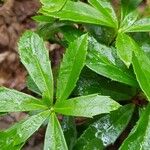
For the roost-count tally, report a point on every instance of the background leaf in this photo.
(34, 56)
(87, 106)
(103, 60)
(69, 131)
(90, 83)
(53, 5)
(105, 130)
(71, 66)
(79, 12)
(124, 50)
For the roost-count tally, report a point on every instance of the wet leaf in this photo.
(140, 134)
(79, 12)
(141, 63)
(54, 138)
(128, 21)
(90, 83)
(106, 130)
(87, 106)
(125, 50)
(102, 60)
(34, 56)
(20, 132)
(105, 7)
(53, 5)
(71, 66)
(14, 101)
(69, 131)
(142, 25)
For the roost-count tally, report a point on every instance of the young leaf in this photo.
(124, 48)
(87, 106)
(35, 58)
(53, 5)
(102, 60)
(54, 138)
(14, 101)
(79, 12)
(142, 25)
(71, 66)
(106, 130)
(140, 135)
(141, 65)
(104, 7)
(20, 132)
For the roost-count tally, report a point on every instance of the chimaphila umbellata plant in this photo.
(35, 58)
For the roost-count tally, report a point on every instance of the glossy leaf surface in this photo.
(35, 58)
(103, 61)
(140, 134)
(54, 138)
(125, 50)
(69, 129)
(141, 63)
(90, 83)
(14, 101)
(106, 130)
(105, 8)
(53, 5)
(142, 25)
(20, 132)
(87, 106)
(79, 12)
(71, 66)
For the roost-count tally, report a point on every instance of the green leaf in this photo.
(104, 7)
(125, 50)
(54, 138)
(106, 130)
(20, 132)
(90, 83)
(87, 106)
(53, 5)
(103, 60)
(142, 25)
(141, 63)
(128, 21)
(32, 86)
(140, 135)
(14, 101)
(69, 131)
(35, 58)
(128, 6)
(71, 66)
(79, 12)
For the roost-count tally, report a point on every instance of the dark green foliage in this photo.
(107, 56)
